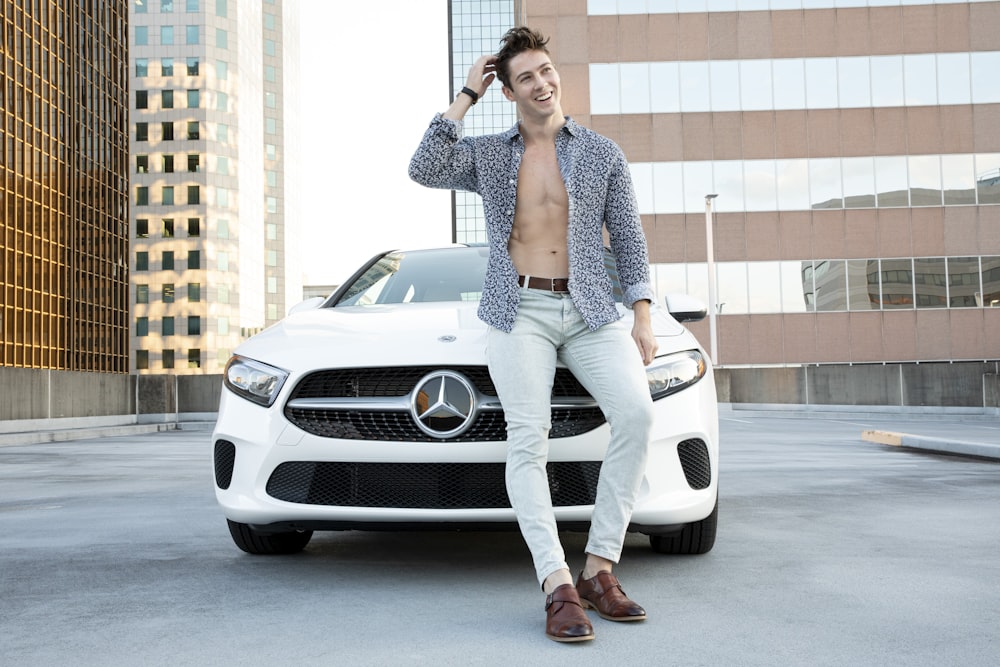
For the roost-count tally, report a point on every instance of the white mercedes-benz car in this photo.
(373, 409)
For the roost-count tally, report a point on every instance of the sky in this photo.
(373, 75)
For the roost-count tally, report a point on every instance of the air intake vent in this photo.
(225, 459)
(695, 462)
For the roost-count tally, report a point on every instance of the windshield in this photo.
(450, 274)
(420, 276)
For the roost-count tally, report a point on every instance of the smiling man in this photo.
(550, 190)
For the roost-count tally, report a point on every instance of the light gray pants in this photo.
(607, 362)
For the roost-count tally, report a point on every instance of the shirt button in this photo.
(511, 181)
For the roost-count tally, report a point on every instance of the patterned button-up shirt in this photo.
(599, 186)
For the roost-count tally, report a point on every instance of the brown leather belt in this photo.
(550, 284)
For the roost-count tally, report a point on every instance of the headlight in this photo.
(674, 372)
(253, 380)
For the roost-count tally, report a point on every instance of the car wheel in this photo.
(268, 544)
(693, 538)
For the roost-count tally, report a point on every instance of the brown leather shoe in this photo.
(605, 594)
(565, 620)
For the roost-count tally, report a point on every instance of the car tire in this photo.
(268, 544)
(693, 538)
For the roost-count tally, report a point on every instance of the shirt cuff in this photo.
(454, 128)
(638, 292)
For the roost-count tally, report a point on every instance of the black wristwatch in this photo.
(471, 93)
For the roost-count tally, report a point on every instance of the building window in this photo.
(167, 67)
(167, 326)
(221, 101)
(168, 228)
(191, 6)
(221, 38)
(220, 8)
(222, 294)
(222, 261)
(142, 196)
(168, 164)
(222, 229)
(269, 21)
(142, 67)
(272, 204)
(272, 311)
(191, 34)
(142, 293)
(194, 292)
(142, 326)
(168, 292)
(142, 99)
(222, 133)
(193, 132)
(221, 70)
(271, 231)
(194, 194)
(168, 195)
(271, 151)
(222, 197)
(194, 226)
(270, 125)
(167, 99)
(194, 260)
(192, 66)
(142, 261)
(168, 261)
(142, 359)
(168, 131)
(142, 131)
(140, 6)
(142, 228)
(168, 359)
(221, 164)
(223, 326)
(194, 99)
(141, 35)
(272, 285)
(194, 325)
(194, 358)
(194, 162)
(271, 257)
(269, 47)
(272, 178)
(142, 164)
(271, 100)
(166, 6)
(167, 35)
(270, 73)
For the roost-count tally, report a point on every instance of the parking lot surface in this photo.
(831, 550)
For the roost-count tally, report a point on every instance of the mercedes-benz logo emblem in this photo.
(443, 404)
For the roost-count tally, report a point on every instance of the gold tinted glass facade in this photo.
(63, 185)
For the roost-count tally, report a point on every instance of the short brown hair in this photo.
(515, 42)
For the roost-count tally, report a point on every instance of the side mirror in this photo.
(308, 304)
(686, 308)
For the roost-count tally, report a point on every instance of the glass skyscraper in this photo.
(64, 186)
(476, 27)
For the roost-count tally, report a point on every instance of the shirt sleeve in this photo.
(628, 242)
(444, 159)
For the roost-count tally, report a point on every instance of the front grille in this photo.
(422, 485)
(696, 463)
(225, 459)
(395, 424)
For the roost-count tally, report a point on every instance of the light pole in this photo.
(713, 333)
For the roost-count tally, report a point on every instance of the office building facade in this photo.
(64, 186)
(212, 164)
(854, 148)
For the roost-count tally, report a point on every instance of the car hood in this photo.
(398, 334)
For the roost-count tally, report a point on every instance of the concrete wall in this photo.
(943, 385)
(33, 399)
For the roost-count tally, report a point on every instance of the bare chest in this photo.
(539, 182)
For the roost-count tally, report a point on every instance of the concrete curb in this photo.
(939, 445)
(88, 433)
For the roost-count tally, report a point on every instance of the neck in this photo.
(542, 129)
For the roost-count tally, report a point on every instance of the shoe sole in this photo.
(566, 640)
(587, 604)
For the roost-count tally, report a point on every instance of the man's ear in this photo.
(506, 93)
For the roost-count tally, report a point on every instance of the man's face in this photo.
(534, 84)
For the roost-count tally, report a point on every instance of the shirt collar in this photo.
(513, 133)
